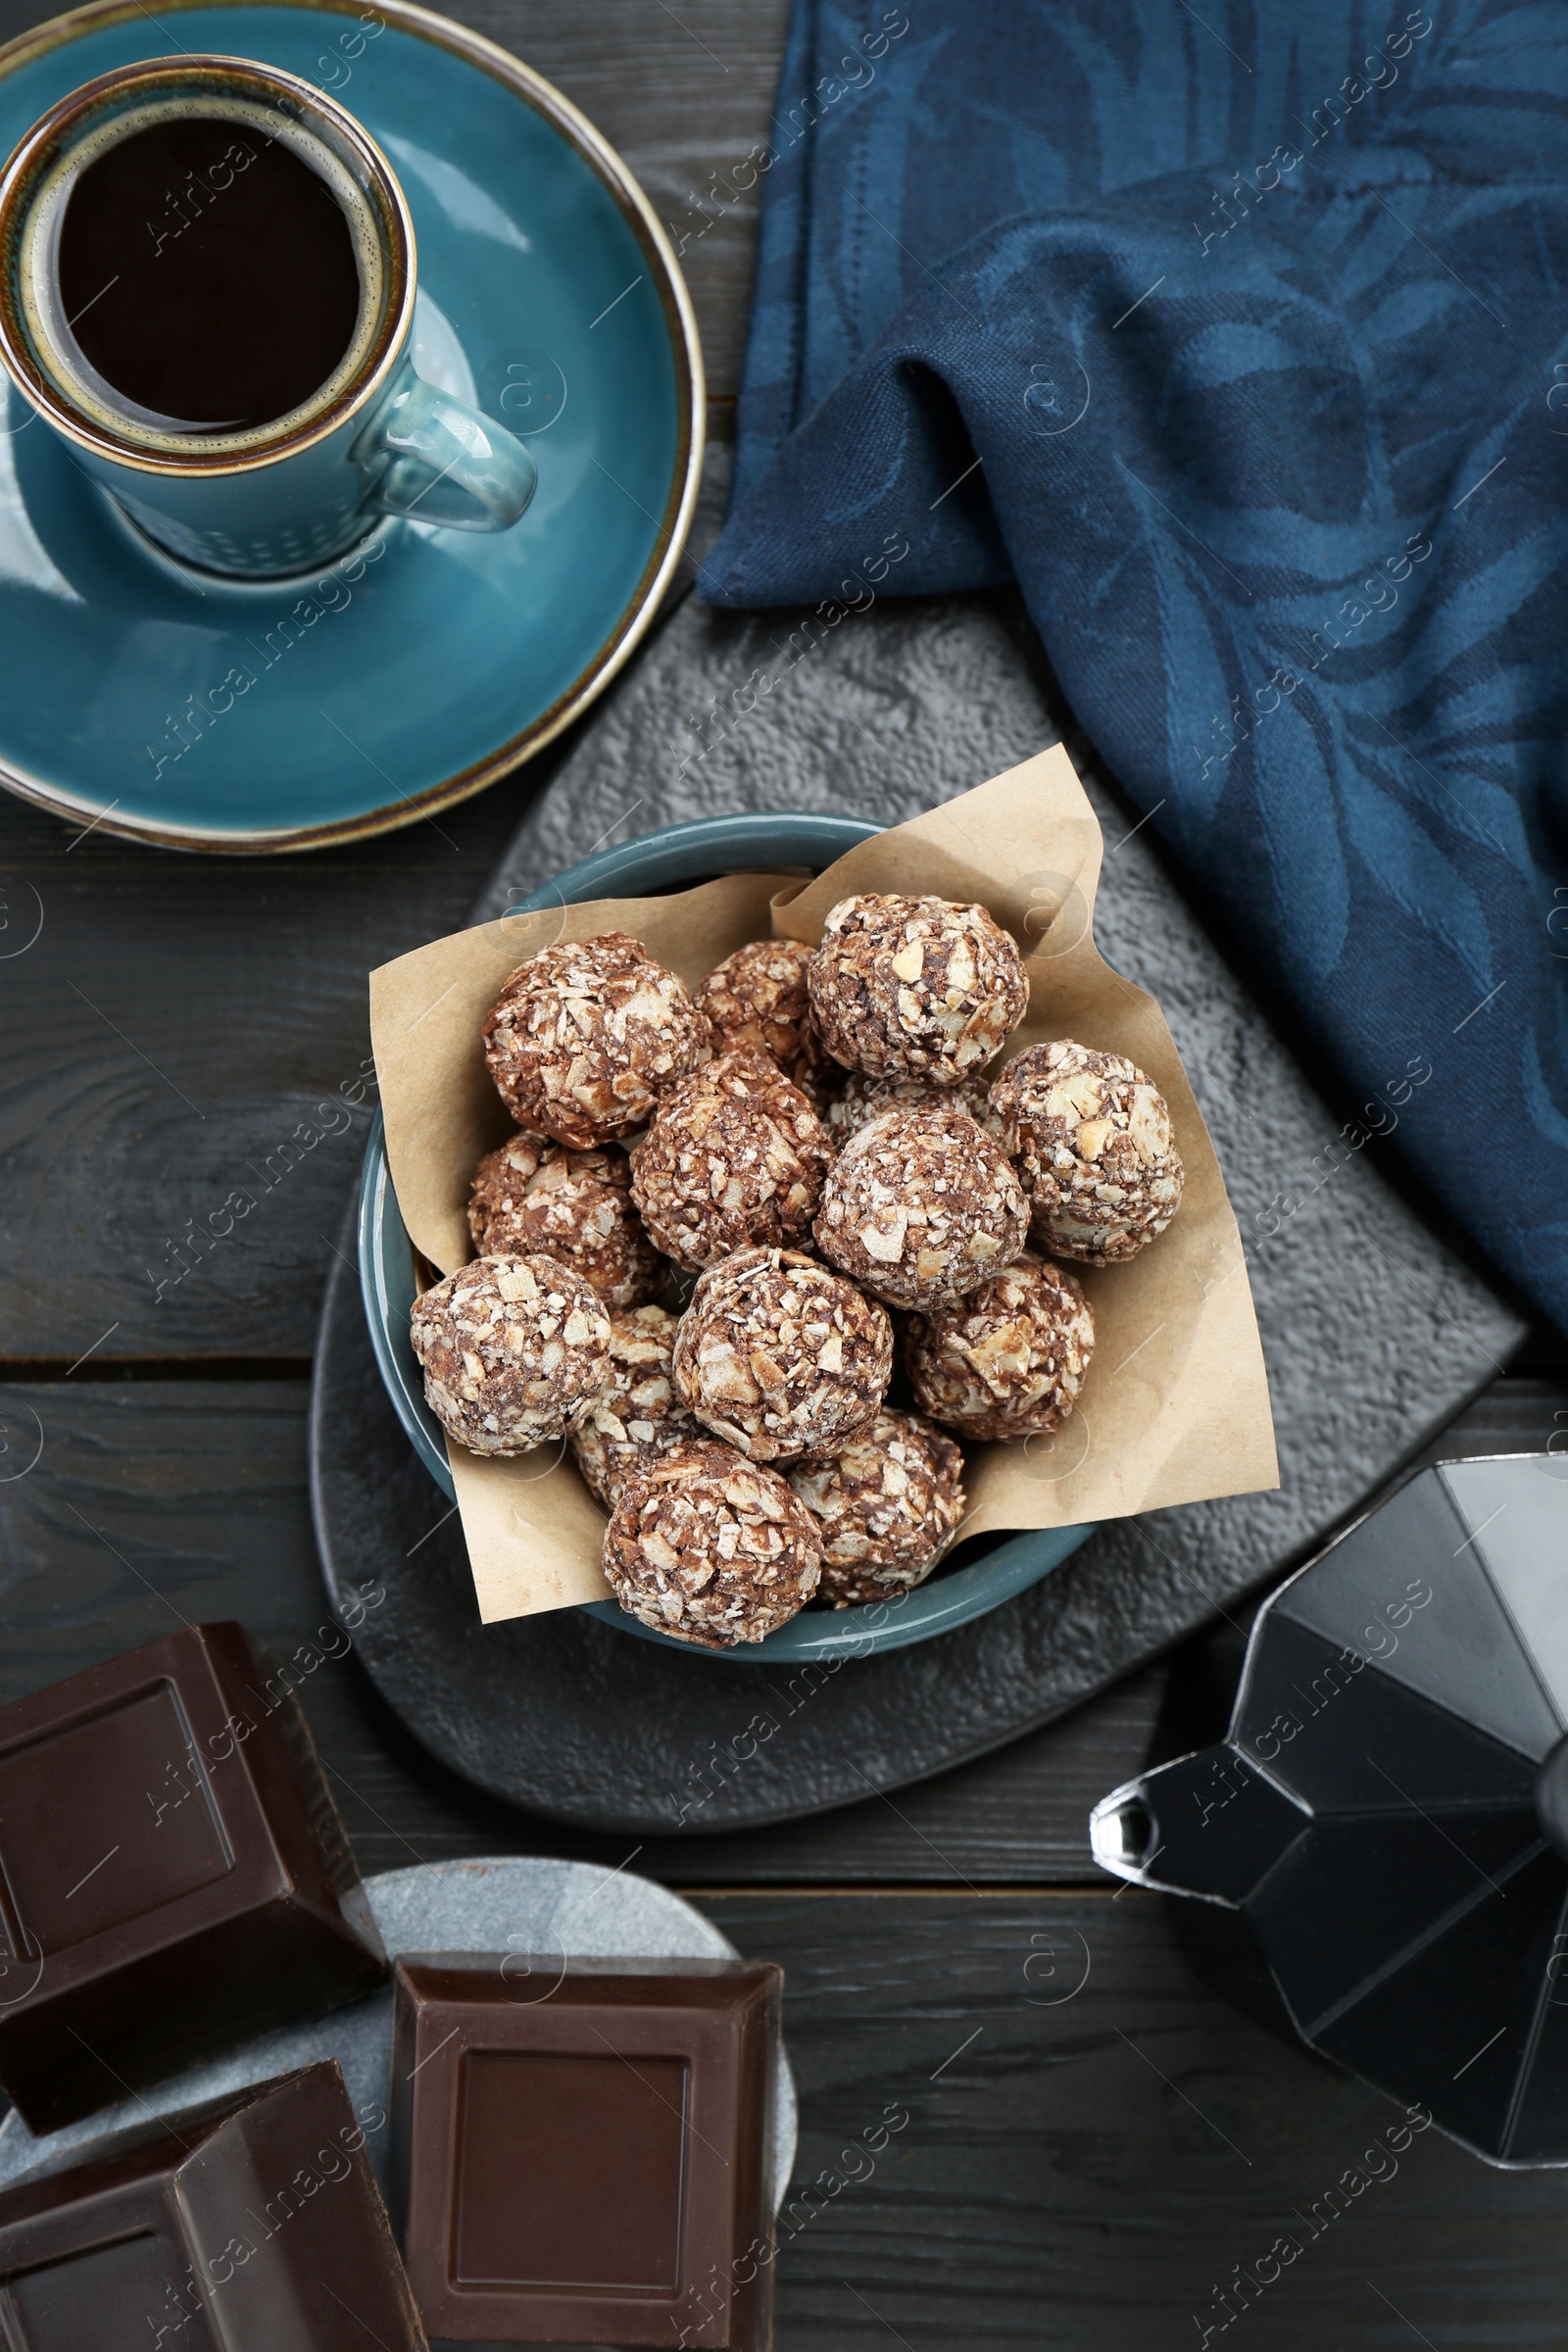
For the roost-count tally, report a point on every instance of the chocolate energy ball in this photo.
(586, 1036)
(920, 1205)
(915, 988)
(1007, 1363)
(780, 1357)
(865, 1099)
(735, 1154)
(639, 1418)
(758, 998)
(711, 1548)
(515, 1351)
(886, 1510)
(533, 1195)
(1095, 1146)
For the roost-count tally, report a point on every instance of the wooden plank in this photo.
(685, 96)
(1017, 1817)
(157, 1500)
(1096, 2137)
(168, 1041)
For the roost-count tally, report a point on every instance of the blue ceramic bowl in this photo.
(981, 1576)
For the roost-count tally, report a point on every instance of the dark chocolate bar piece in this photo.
(581, 2151)
(252, 2224)
(174, 1876)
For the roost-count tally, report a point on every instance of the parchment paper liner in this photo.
(1176, 1405)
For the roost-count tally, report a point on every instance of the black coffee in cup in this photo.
(207, 272)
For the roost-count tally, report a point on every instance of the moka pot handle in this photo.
(1210, 1825)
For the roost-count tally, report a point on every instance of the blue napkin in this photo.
(1239, 338)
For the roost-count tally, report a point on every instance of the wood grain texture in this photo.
(157, 1500)
(1084, 2168)
(166, 1041)
(684, 95)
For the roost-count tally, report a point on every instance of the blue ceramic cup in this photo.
(292, 492)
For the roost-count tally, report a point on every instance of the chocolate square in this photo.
(610, 2140)
(92, 2300)
(249, 2225)
(174, 1876)
(86, 1861)
(587, 2163)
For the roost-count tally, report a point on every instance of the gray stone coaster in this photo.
(546, 1909)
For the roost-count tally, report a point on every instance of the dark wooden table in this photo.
(1103, 2117)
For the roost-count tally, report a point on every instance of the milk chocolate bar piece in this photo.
(249, 2225)
(174, 1876)
(581, 2151)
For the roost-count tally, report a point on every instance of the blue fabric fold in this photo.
(1240, 342)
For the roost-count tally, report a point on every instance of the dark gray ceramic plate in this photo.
(1374, 1332)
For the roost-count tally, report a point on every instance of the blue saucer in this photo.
(419, 670)
(675, 857)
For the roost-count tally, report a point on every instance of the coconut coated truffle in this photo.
(735, 1155)
(758, 998)
(886, 1509)
(1008, 1361)
(915, 988)
(711, 1548)
(1094, 1144)
(638, 1418)
(920, 1205)
(532, 1196)
(515, 1351)
(586, 1036)
(780, 1357)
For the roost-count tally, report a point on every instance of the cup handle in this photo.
(441, 462)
